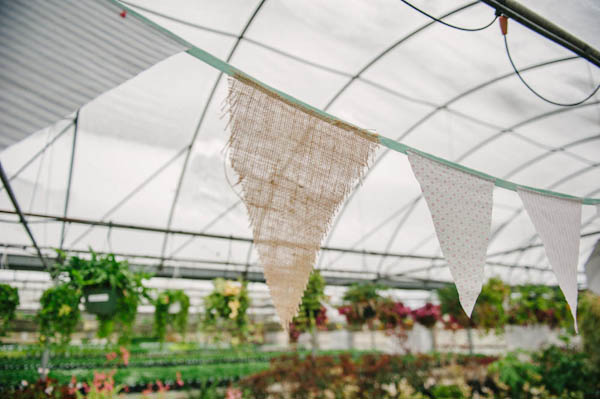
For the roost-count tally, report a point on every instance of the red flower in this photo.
(427, 315)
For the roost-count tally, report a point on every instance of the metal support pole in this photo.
(13, 199)
(69, 181)
(549, 30)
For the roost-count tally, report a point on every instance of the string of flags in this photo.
(295, 176)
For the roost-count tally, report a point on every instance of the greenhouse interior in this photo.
(299, 199)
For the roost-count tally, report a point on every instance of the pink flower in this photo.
(233, 393)
(162, 387)
(178, 380)
(98, 379)
(111, 356)
(124, 355)
(148, 389)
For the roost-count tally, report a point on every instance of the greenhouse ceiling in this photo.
(113, 137)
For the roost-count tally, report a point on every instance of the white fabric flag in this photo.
(592, 270)
(558, 223)
(461, 209)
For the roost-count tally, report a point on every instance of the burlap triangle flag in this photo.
(461, 209)
(558, 223)
(295, 167)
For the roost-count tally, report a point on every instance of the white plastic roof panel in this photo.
(378, 64)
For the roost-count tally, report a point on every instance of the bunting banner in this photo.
(461, 209)
(294, 176)
(558, 223)
(592, 270)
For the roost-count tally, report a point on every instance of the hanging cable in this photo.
(538, 94)
(447, 24)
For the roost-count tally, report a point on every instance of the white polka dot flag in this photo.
(558, 223)
(461, 209)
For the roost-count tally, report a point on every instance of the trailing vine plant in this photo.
(59, 314)
(163, 315)
(361, 302)
(311, 314)
(9, 300)
(107, 271)
(225, 310)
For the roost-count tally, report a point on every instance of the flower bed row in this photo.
(551, 374)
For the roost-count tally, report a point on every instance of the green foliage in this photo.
(447, 392)
(515, 370)
(225, 309)
(564, 370)
(554, 372)
(363, 292)
(311, 305)
(489, 311)
(589, 325)
(9, 300)
(498, 305)
(450, 305)
(107, 271)
(538, 304)
(162, 316)
(59, 314)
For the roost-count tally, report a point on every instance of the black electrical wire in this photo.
(447, 24)
(538, 94)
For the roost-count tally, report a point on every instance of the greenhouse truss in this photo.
(113, 135)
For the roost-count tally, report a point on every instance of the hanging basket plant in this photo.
(538, 304)
(9, 300)
(171, 307)
(361, 304)
(427, 315)
(111, 291)
(225, 310)
(59, 314)
(394, 316)
(312, 314)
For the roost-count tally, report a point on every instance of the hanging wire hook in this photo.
(504, 29)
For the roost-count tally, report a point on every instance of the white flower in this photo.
(49, 390)
(24, 383)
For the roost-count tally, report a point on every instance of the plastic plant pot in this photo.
(100, 299)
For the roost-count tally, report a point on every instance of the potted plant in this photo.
(489, 313)
(428, 316)
(225, 310)
(170, 308)
(312, 315)
(395, 319)
(9, 300)
(59, 314)
(361, 302)
(110, 290)
(538, 304)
